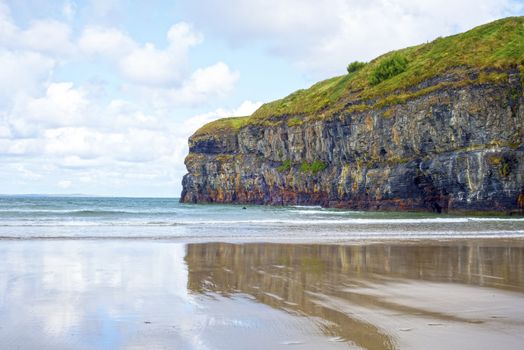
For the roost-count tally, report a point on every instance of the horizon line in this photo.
(80, 195)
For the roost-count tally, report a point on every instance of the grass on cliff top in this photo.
(222, 126)
(499, 44)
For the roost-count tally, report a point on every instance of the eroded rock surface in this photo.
(453, 149)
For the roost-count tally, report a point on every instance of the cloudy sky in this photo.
(99, 96)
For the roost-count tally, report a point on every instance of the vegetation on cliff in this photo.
(477, 56)
(224, 125)
(355, 66)
(388, 68)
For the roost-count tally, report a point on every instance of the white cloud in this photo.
(22, 72)
(203, 87)
(61, 105)
(322, 36)
(214, 81)
(29, 56)
(109, 42)
(47, 36)
(143, 64)
(86, 145)
(182, 36)
(150, 66)
(44, 36)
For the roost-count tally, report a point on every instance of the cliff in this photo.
(437, 127)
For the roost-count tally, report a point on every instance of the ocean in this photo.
(29, 217)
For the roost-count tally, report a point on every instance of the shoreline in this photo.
(363, 240)
(516, 213)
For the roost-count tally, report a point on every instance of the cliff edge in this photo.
(436, 127)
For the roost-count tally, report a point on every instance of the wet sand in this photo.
(147, 294)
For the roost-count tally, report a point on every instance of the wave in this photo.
(299, 236)
(355, 221)
(259, 222)
(307, 206)
(81, 213)
(323, 212)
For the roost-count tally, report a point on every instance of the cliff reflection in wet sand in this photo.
(436, 295)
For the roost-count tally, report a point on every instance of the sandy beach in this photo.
(116, 294)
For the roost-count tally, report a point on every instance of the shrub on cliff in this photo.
(388, 68)
(295, 122)
(313, 168)
(355, 66)
(285, 166)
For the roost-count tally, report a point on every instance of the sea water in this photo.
(29, 217)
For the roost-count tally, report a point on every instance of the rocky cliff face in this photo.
(455, 148)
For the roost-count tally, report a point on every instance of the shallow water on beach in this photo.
(138, 273)
(136, 294)
(165, 218)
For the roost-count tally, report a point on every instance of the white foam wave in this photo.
(322, 212)
(288, 236)
(265, 222)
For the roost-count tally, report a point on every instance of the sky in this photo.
(99, 97)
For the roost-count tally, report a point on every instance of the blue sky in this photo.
(99, 97)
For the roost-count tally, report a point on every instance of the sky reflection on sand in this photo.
(67, 294)
(127, 295)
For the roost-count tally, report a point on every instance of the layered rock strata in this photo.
(452, 149)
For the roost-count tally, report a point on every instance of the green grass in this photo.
(505, 168)
(498, 45)
(388, 68)
(314, 168)
(294, 122)
(286, 165)
(223, 126)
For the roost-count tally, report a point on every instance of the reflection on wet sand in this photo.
(70, 294)
(148, 294)
(380, 296)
